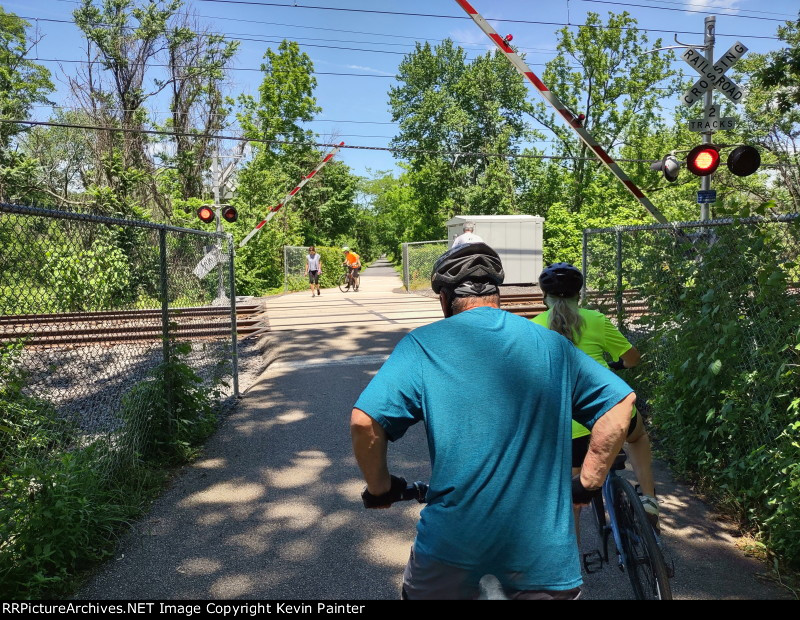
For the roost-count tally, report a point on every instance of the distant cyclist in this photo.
(353, 263)
(594, 334)
(496, 394)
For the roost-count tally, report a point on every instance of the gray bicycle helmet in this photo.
(561, 280)
(468, 270)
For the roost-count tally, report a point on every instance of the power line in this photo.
(233, 36)
(684, 10)
(168, 113)
(716, 6)
(315, 144)
(155, 64)
(461, 17)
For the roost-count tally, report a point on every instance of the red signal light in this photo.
(229, 214)
(206, 214)
(703, 160)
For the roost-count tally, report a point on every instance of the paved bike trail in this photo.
(271, 510)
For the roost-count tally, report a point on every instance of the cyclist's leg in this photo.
(580, 446)
(638, 450)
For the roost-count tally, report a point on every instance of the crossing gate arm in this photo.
(565, 113)
(290, 195)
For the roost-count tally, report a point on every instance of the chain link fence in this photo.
(90, 307)
(294, 267)
(714, 308)
(418, 260)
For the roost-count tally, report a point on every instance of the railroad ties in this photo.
(111, 326)
(529, 305)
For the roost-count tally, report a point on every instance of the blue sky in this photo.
(354, 108)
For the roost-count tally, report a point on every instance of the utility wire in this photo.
(316, 144)
(517, 21)
(497, 19)
(684, 10)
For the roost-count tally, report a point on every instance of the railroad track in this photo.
(530, 305)
(114, 326)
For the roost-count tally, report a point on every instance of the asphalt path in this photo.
(272, 511)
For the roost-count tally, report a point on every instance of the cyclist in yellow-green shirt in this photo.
(594, 334)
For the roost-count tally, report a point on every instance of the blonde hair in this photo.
(564, 317)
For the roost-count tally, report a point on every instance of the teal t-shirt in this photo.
(597, 336)
(497, 395)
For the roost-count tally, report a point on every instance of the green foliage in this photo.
(64, 497)
(445, 103)
(97, 278)
(782, 71)
(723, 352)
(171, 412)
(23, 83)
(562, 235)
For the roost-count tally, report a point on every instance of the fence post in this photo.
(162, 246)
(234, 342)
(406, 281)
(618, 294)
(285, 269)
(585, 266)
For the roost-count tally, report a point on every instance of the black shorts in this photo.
(313, 276)
(580, 445)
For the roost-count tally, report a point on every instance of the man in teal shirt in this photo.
(497, 395)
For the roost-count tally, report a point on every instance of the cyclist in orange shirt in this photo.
(353, 263)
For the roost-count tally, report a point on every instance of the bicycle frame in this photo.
(613, 485)
(612, 525)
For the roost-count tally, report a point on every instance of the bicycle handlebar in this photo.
(415, 490)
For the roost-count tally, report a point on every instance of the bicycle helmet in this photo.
(345, 249)
(468, 270)
(561, 280)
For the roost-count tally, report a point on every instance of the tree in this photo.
(451, 111)
(283, 153)
(780, 73)
(602, 72)
(123, 39)
(197, 61)
(63, 156)
(770, 120)
(22, 84)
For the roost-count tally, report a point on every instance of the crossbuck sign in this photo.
(713, 76)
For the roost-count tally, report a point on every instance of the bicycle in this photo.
(638, 544)
(345, 281)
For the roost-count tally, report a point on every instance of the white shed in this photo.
(516, 238)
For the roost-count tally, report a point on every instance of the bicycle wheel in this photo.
(343, 283)
(644, 562)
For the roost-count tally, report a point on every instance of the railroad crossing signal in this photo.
(713, 76)
(669, 166)
(703, 160)
(744, 160)
(206, 214)
(229, 214)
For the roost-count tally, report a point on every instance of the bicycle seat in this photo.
(619, 462)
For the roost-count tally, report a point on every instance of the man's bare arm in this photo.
(608, 435)
(369, 448)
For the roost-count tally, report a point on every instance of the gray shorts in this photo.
(313, 276)
(428, 579)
